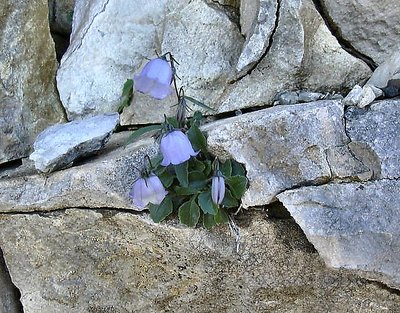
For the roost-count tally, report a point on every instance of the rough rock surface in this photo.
(287, 146)
(60, 16)
(353, 225)
(8, 292)
(369, 27)
(378, 129)
(102, 181)
(28, 98)
(60, 145)
(86, 261)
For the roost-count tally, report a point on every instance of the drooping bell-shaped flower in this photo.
(147, 190)
(218, 188)
(155, 79)
(176, 148)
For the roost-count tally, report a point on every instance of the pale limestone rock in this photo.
(60, 145)
(353, 225)
(82, 261)
(28, 98)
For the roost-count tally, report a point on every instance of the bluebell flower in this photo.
(155, 79)
(176, 148)
(218, 188)
(147, 190)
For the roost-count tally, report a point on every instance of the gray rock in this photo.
(82, 261)
(354, 96)
(369, 27)
(60, 16)
(286, 146)
(102, 181)
(353, 225)
(28, 98)
(259, 31)
(303, 55)
(8, 294)
(60, 145)
(378, 128)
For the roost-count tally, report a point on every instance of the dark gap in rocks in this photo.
(9, 294)
(10, 165)
(271, 40)
(232, 10)
(61, 43)
(276, 210)
(337, 33)
(385, 287)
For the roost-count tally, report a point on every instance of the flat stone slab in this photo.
(352, 225)
(60, 145)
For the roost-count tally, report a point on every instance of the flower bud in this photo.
(155, 79)
(147, 190)
(218, 188)
(176, 148)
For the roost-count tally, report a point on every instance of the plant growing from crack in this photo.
(184, 177)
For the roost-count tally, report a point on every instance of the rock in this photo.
(258, 32)
(101, 182)
(110, 261)
(353, 225)
(206, 43)
(306, 63)
(389, 69)
(60, 16)
(8, 294)
(286, 146)
(28, 98)
(368, 95)
(60, 145)
(354, 96)
(378, 128)
(370, 29)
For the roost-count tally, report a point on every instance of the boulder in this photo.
(109, 261)
(60, 145)
(352, 225)
(28, 98)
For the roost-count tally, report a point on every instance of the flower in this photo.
(155, 79)
(218, 188)
(176, 148)
(147, 190)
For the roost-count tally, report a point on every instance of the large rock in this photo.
(8, 293)
(377, 129)
(287, 146)
(353, 225)
(85, 261)
(60, 145)
(370, 28)
(28, 98)
(103, 181)
(303, 55)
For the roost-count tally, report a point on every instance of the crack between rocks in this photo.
(337, 33)
(230, 11)
(270, 42)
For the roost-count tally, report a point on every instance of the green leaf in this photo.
(221, 217)
(237, 169)
(173, 122)
(181, 171)
(198, 103)
(208, 168)
(229, 201)
(137, 133)
(196, 165)
(126, 97)
(159, 212)
(189, 213)
(226, 168)
(197, 180)
(237, 185)
(208, 221)
(197, 138)
(166, 178)
(206, 203)
(186, 191)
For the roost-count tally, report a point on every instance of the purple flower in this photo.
(147, 190)
(176, 148)
(218, 189)
(155, 79)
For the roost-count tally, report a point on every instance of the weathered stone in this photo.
(60, 16)
(8, 294)
(105, 181)
(258, 31)
(378, 127)
(303, 55)
(85, 261)
(28, 98)
(285, 146)
(353, 225)
(354, 96)
(369, 27)
(60, 145)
